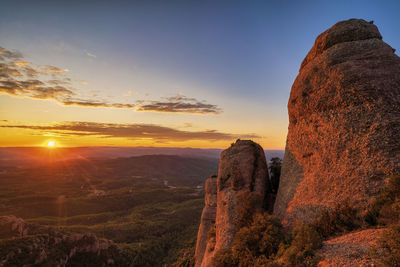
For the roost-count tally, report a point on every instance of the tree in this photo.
(259, 241)
(275, 171)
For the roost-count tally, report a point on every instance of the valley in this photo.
(149, 205)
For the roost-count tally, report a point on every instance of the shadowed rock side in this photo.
(291, 175)
(344, 123)
(242, 169)
(207, 219)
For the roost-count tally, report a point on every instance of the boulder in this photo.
(344, 123)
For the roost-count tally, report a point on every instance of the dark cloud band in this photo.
(193, 106)
(130, 131)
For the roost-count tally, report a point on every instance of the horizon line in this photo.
(162, 147)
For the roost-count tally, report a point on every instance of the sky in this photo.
(160, 73)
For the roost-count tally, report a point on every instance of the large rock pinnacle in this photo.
(344, 123)
(242, 170)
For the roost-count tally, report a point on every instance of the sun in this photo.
(51, 144)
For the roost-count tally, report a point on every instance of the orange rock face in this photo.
(344, 123)
(242, 169)
(207, 220)
(348, 250)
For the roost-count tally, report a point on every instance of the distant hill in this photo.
(20, 156)
(177, 170)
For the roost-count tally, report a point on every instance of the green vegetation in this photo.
(249, 205)
(119, 199)
(300, 250)
(155, 222)
(275, 167)
(385, 211)
(261, 239)
(185, 256)
(386, 207)
(341, 219)
(49, 249)
(388, 249)
(223, 259)
(264, 242)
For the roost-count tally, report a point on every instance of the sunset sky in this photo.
(160, 73)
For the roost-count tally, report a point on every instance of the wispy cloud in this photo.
(51, 70)
(33, 88)
(180, 107)
(179, 104)
(21, 78)
(7, 54)
(130, 93)
(129, 131)
(95, 104)
(90, 54)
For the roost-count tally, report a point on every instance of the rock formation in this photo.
(207, 220)
(344, 123)
(12, 226)
(351, 249)
(242, 170)
(25, 244)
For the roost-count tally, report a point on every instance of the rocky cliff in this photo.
(344, 123)
(242, 171)
(205, 241)
(24, 244)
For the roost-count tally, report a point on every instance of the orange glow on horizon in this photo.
(37, 141)
(24, 138)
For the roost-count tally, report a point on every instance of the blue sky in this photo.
(241, 56)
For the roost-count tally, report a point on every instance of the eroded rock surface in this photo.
(207, 220)
(242, 167)
(344, 123)
(348, 250)
(12, 226)
(242, 170)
